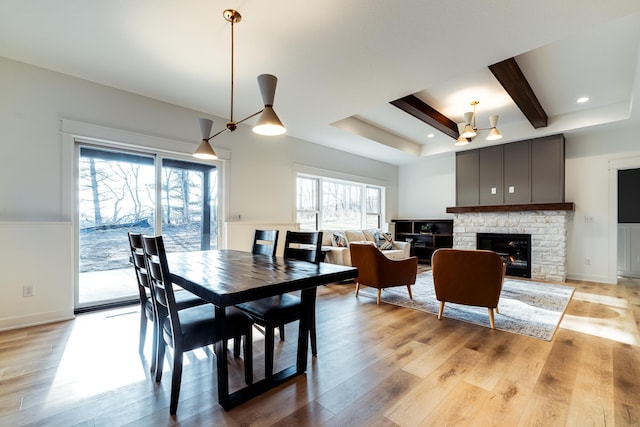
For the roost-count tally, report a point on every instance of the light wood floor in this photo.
(377, 366)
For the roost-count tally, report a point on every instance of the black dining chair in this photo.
(190, 328)
(148, 311)
(275, 312)
(265, 242)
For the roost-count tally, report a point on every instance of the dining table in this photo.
(229, 277)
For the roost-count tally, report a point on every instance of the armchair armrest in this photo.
(403, 246)
(393, 271)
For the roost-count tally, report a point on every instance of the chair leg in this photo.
(154, 347)
(176, 379)
(268, 351)
(379, 295)
(357, 288)
(248, 357)
(236, 346)
(312, 333)
(281, 330)
(160, 359)
(409, 289)
(491, 320)
(440, 310)
(143, 330)
(497, 312)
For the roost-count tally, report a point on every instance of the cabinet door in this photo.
(516, 173)
(547, 170)
(491, 175)
(467, 170)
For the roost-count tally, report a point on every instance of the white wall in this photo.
(427, 188)
(36, 255)
(591, 165)
(35, 166)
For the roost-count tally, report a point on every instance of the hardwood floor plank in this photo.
(412, 408)
(499, 350)
(375, 375)
(551, 397)
(504, 405)
(626, 377)
(369, 409)
(592, 402)
(458, 408)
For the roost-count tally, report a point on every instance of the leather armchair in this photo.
(469, 277)
(377, 271)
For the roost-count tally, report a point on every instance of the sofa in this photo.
(335, 244)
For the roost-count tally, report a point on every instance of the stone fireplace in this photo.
(547, 227)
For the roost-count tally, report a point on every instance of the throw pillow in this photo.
(339, 239)
(384, 241)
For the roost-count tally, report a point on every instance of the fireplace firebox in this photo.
(515, 250)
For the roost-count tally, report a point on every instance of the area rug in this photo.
(526, 307)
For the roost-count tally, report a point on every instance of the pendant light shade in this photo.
(461, 140)
(205, 150)
(493, 132)
(268, 122)
(468, 132)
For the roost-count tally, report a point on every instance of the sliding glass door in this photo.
(121, 191)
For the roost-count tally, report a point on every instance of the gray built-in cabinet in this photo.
(467, 178)
(530, 171)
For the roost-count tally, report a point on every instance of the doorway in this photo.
(123, 191)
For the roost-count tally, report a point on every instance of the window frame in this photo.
(320, 178)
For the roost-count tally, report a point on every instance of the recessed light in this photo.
(582, 100)
(431, 135)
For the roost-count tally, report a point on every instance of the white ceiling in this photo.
(340, 63)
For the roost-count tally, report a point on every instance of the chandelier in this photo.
(268, 123)
(468, 130)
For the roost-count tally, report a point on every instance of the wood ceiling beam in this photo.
(510, 76)
(411, 104)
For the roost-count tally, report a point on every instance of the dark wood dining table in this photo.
(228, 277)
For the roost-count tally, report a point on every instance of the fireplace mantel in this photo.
(514, 208)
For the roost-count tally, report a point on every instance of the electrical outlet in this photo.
(588, 219)
(494, 190)
(27, 291)
(587, 261)
(512, 189)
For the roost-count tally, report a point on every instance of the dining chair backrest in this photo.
(160, 280)
(265, 242)
(304, 245)
(137, 258)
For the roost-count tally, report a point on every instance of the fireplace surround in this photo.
(546, 223)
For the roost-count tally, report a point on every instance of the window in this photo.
(326, 203)
(121, 191)
(374, 207)
(307, 203)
